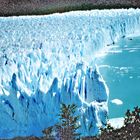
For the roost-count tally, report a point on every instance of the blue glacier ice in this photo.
(49, 60)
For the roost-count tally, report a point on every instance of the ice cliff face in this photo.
(49, 60)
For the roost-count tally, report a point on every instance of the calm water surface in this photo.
(121, 71)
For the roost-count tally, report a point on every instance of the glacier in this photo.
(49, 60)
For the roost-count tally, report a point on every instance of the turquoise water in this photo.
(121, 71)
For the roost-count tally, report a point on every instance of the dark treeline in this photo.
(40, 7)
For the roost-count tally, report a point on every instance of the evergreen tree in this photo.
(48, 133)
(67, 128)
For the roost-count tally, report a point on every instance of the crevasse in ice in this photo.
(49, 60)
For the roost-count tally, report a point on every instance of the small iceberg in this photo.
(117, 101)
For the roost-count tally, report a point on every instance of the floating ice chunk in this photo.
(130, 77)
(117, 101)
(104, 66)
(132, 51)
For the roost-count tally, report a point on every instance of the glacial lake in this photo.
(120, 68)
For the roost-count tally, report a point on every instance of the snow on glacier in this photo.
(49, 60)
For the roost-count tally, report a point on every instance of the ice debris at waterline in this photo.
(49, 60)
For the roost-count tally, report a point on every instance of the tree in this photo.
(48, 132)
(68, 126)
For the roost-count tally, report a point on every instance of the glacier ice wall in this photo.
(49, 60)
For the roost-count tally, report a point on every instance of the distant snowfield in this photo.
(49, 60)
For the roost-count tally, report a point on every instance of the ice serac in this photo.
(49, 60)
(23, 114)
